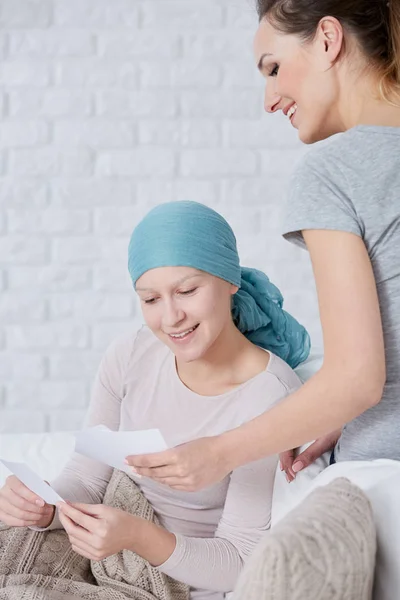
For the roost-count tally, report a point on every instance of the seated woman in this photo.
(215, 353)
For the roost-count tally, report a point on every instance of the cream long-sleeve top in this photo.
(216, 529)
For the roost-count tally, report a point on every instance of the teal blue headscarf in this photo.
(189, 234)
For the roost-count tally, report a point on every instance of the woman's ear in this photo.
(234, 289)
(330, 40)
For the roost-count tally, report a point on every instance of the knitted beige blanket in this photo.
(42, 565)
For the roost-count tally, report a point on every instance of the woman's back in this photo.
(352, 184)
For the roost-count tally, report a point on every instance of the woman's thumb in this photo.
(286, 459)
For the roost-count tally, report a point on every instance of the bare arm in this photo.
(352, 377)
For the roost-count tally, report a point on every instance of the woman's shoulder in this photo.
(283, 372)
(267, 388)
(348, 153)
(323, 157)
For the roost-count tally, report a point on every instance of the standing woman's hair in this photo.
(374, 23)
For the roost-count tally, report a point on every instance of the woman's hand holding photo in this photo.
(97, 531)
(189, 467)
(20, 507)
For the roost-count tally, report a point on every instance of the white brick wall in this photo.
(108, 108)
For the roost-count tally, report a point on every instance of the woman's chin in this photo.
(190, 353)
(308, 137)
(188, 356)
(312, 135)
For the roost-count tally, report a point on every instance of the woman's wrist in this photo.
(230, 449)
(150, 541)
(47, 520)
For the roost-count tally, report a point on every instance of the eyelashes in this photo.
(183, 293)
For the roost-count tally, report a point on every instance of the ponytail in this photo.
(390, 82)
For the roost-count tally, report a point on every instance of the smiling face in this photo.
(187, 309)
(302, 79)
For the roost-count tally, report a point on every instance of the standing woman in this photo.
(332, 67)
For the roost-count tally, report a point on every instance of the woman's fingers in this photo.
(286, 463)
(19, 513)
(286, 459)
(19, 507)
(156, 473)
(77, 519)
(316, 450)
(292, 464)
(152, 461)
(14, 517)
(13, 522)
(21, 503)
(158, 466)
(197, 464)
(16, 486)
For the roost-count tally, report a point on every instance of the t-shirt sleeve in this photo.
(320, 197)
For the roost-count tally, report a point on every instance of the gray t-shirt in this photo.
(352, 183)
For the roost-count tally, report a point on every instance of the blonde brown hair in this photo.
(374, 23)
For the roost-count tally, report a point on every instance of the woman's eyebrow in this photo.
(260, 62)
(139, 289)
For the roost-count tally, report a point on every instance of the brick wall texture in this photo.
(107, 108)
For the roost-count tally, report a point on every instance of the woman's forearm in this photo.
(152, 542)
(207, 563)
(194, 561)
(326, 402)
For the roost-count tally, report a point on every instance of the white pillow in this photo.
(380, 480)
(324, 549)
(45, 453)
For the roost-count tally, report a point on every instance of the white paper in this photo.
(112, 447)
(33, 481)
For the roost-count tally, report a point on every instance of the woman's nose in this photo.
(173, 315)
(272, 100)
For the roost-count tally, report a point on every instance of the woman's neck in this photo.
(229, 362)
(363, 106)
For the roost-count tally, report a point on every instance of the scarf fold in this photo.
(191, 234)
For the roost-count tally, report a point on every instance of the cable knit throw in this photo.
(324, 549)
(42, 565)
